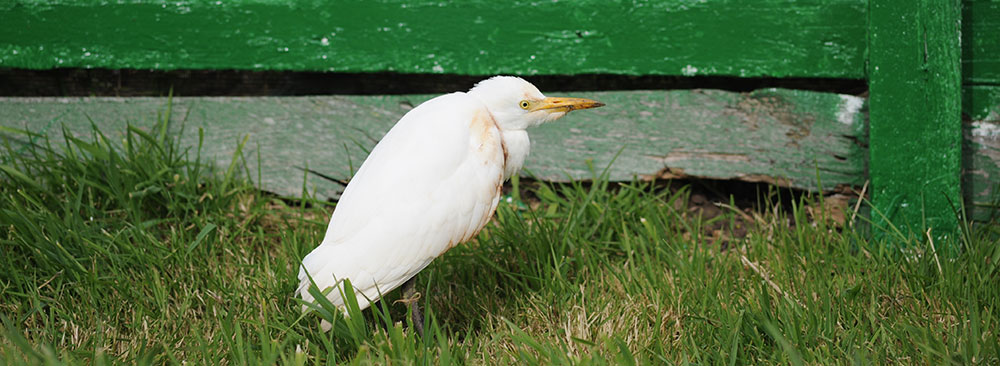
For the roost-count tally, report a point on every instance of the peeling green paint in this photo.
(915, 113)
(981, 173)
(981, 153)
(787, 137)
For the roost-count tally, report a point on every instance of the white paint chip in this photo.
(689, 70)
(985, 129)
(849, 107)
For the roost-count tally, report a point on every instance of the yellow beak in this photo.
(566, 104)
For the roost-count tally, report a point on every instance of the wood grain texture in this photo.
(790, 138)
(331, 133)
(806, 38)
(915, 113)
(981, 159)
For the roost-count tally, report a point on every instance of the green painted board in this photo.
(915, 115)
(669, 37)
(791, 138)
(780, 38)
(981, 42)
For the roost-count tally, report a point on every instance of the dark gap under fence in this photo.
(128, 83)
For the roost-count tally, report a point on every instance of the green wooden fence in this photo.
(927, 62)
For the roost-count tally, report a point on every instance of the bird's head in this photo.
(517, 105)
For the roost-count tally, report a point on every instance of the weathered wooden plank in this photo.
(329, 124)
(981, 156)
(786, 137)
(915, 112)
(807, 38)
(791, 138)
(981, 176)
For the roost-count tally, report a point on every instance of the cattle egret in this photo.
(431, 183)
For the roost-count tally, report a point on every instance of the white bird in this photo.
(431, 183)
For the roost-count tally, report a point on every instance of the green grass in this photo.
(133, 252)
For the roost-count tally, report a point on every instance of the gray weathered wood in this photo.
(790, 138)
(981, 164)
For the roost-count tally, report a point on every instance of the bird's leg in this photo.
(412, 298)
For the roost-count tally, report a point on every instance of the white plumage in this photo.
(431, 183)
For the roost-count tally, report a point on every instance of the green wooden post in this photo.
(915, 115)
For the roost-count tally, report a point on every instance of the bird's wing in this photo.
(431, 183)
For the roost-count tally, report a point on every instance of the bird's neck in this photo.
(516, 147)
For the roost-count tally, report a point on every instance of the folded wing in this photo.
(432, 182)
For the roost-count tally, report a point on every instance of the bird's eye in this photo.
(525, 104)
